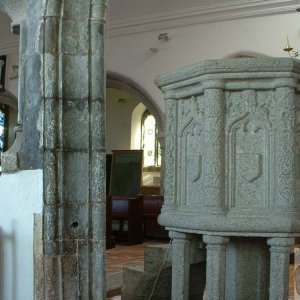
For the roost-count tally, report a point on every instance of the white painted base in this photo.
(21, 195)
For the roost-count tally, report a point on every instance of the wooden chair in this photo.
(152, 206)
(110, 239)
(130, 210)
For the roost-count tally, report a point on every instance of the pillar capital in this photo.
(215, 240)
(179, 235)
(281, 242)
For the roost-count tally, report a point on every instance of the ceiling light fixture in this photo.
(154, 50)
(164, 36)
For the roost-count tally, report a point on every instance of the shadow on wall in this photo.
(8, 264)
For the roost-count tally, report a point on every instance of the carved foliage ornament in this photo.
(171, 111)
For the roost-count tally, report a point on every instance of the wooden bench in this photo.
(127, 210)
(152, 205)
(110, 239)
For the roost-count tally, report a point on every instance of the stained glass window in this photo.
(150, 144)
(2, 120)
(3, 125)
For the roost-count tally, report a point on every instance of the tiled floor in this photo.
(122, 256)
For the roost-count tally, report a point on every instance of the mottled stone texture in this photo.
(180, 265)
(27, 16)
(215, 266)
(279, 272)
(232, 169)
(31, 94)
(74, 153)
(250, 257)
(138, 282)
(231, 146)
(10, 158)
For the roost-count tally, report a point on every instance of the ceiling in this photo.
(125, 9)
(132, 16)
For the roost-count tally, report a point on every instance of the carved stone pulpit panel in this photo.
(233, 146)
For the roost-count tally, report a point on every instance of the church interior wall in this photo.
(119, 109)
(129, 55)
(11, 81)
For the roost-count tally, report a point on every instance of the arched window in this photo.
(150, 144)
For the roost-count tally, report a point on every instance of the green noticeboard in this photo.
(126, 172)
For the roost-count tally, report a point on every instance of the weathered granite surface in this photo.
(61, 112)
(138, 282)
(232, 172)
(74, 149)
(232, 147)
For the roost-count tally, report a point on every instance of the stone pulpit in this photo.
(233, 173)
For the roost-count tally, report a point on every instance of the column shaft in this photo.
(215, 266)
(279, 267)
(180, 265)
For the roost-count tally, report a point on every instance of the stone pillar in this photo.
(52, 170)
(97, 154)
(215, 266)
(74, 150)
(214, 161)
(279, 267)
(180, 265)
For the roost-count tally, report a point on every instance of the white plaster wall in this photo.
(130, 55)
(8, 41)
(9, 44)
(11, 84)
(118, 120)
(20, 197)
(136, 126)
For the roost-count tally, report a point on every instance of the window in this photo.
(3, 129)
(150, 144)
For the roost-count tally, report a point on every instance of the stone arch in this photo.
(121, 82)
(15, 9)
(9, 99)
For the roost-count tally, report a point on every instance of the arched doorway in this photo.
(133, 102)
(123, 83)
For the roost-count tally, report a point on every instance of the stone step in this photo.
(138, 282)
(154, 255)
